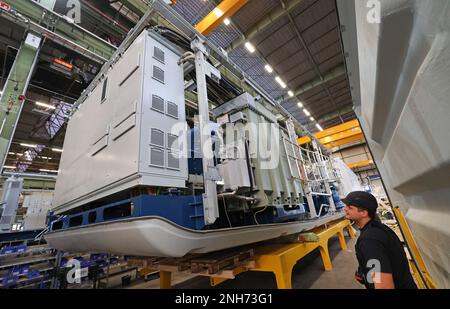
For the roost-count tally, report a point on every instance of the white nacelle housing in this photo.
(128, 131)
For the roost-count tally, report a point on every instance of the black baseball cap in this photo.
(361, 199)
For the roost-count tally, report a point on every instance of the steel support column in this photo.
(15, 86)
(210, 205)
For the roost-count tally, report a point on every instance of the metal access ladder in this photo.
(315, 176)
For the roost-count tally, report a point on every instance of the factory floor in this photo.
(307, 274)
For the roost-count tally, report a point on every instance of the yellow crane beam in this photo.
(345, 141)
(343, 134)
(225, 9)
(360, 164)
(340, 136)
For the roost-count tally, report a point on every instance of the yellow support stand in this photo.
(280, 259)
(165, 279)
(429, 283)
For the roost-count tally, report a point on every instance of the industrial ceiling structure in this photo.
(290, 48)
(299, 42)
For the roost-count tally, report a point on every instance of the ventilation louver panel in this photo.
(157, 138)
(158, 103)
(172, 110)
(158, 74)
(156, 157)
(172, 142)
(158, 54)
(173, 161)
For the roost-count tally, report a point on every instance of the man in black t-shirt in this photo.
(381, 257)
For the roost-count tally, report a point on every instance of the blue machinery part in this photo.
(185, 211)
(281, 214)
(13, 249)
(337, 200)
(321, 203)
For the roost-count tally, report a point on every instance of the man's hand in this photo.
(383, 280)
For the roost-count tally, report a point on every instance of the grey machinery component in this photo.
(251, 132)
(10, 201)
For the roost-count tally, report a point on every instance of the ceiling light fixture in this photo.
(250, 47)
(45, 105)
(300, 104)
(48, 171)
(268, 68)
(307, 113)
(280, 82)
(218, 12)
(311, 118)
(28, 145)
(226, 21)
(319, 127)
(57, 150)
(290, 93)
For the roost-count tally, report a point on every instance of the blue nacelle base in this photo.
(185, 211)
